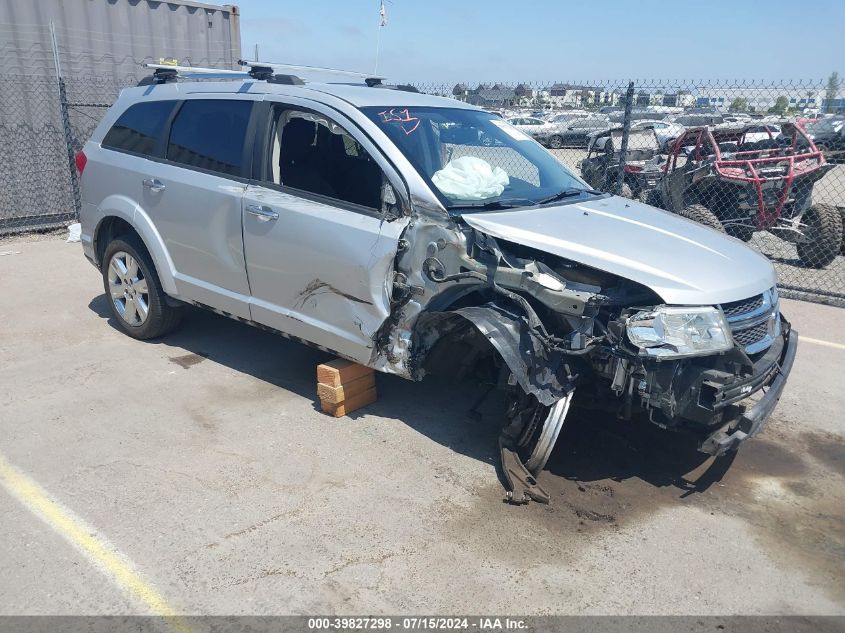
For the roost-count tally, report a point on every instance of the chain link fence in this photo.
(763, 163)
(44, 121)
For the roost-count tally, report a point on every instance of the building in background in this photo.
(100, 48)
(760, 100)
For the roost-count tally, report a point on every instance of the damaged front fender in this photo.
(535, 368)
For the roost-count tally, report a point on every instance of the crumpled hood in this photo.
(684, 262)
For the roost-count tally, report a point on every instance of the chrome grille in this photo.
(755, 321)
(740, 308)
(751, 335)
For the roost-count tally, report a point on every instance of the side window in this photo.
(311, 153)
(210, 134)
(139, 127)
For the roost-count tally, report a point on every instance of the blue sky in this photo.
(542, 40)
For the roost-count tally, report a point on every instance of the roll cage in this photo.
(786, 159)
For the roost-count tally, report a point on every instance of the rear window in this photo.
(210, 134)
(139, 128)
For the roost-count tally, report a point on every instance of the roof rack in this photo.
(261, 71)
(167, 73)
(370, 80)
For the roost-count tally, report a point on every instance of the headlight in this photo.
(673, 332)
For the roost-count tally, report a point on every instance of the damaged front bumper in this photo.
(749, 423)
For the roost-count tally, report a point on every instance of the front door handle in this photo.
(264, 214)
(153, 184)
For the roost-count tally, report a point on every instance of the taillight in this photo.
(634, 168)
(81, 160)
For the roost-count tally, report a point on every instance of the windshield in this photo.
(473, 159)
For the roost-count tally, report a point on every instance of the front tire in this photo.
(556, 142)
(135, 296)
(701, 214)
(822, 237)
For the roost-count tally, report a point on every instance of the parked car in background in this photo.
(571, 132)
(567, 115)
(698, 119)
(526, 124)
(829, 136)
(637, 114)
(664, 131)
(764, 132)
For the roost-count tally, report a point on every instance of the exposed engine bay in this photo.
(558, 334)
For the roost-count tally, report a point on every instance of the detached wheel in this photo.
(822, 236)
(556, 142)
(135, 296)
(701, 214)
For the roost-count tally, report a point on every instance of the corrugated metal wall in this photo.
(102, 45)
(114, 37)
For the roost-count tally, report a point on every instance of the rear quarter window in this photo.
(139, 128)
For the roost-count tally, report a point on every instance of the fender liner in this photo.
(535, 367)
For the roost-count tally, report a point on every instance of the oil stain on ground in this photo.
(188, 360)
(605, 475)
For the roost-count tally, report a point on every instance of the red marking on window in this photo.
(403, 117)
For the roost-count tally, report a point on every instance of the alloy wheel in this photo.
(128, 288)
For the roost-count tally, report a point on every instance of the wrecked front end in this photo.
(554, 333)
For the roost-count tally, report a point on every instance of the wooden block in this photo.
(350, 404)
(340, 371)
(335, 395)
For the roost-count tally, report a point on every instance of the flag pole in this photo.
(378, 46)
(382, 20)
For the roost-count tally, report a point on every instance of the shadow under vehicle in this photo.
(720, 177)
(643, 162)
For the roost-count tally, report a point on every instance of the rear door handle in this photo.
(264, 214)
(153, 184)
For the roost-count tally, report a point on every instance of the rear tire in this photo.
(556, 142)
(823, 236)
(701, 214)
(134, 292)
(627, 192)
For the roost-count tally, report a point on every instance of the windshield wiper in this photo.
(567, 193)
(508, 203)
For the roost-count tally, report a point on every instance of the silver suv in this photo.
(405, 231)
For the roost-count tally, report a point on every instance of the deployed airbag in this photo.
(470, 178)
